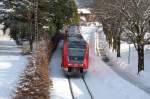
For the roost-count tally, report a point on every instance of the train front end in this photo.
(77, 60)
(75, 56)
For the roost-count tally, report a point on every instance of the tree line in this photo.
(52, 15)
(130, 18)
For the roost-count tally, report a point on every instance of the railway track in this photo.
(86, 86)
(71, 88)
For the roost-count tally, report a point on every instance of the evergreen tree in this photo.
(52, 14)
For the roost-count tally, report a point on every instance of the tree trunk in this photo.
(31, 45)
(118, 48)
(140, 58)
(118, 45)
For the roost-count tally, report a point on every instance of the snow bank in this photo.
(128, 64)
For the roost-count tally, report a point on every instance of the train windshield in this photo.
(76, 55)
(76, 48)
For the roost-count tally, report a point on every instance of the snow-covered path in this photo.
(12, 64)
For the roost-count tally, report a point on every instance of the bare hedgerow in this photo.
(35, 83)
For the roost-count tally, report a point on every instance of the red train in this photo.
(75, 54)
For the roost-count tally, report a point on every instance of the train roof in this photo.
(77, 44)
(74, 37)
(73, 29)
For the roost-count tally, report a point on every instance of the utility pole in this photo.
(36, 22)
(29, 15)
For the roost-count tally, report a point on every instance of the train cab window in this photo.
(76, 54)
(77, 45)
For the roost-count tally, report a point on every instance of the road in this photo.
(12, 64)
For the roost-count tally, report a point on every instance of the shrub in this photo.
(35, 83)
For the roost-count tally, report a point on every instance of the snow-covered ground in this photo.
(126, 66)
(131, 58)
(60, 88)
(12, 64)
(102, 81)
(129, 63)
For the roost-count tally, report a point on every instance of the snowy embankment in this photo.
(105, 83)
(12, 64)
(130, 57)
(128, 63)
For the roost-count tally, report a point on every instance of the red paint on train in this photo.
(75, 56)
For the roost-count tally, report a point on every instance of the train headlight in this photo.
(69, 64)
(82, 64)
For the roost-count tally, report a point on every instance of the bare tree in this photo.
(136, 14)
(112, 22)
(133, 18)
